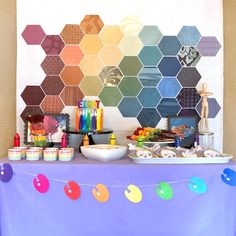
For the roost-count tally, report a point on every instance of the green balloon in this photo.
(164, 191)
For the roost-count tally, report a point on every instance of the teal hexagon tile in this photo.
(168, 107)
(110, 96)
(130, 66)
(169, 66)
(110, 76)
(149, 117)
(150, 35)
(149, 97)
(169, 87)
(149, 76)
(150, 55)
(188, 76)
(169, 45)
(130, 86)
(189, 35)
(129, 107)
(188, 56)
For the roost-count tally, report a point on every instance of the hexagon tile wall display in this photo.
(131, 66)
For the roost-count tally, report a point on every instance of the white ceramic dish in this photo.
(104, 152)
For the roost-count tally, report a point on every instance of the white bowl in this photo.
(104, 152)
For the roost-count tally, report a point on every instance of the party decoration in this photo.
(101, 193)
(16, 140)
(197, 185)
(72, 190)
(63, 141)
(164, 191)
(133, 194)
(6, 172)
(229, 177)
(41, 183)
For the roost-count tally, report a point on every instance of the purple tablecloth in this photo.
(26, 212)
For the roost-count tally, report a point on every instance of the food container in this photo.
(23, 151)
(50, 154)
(14, 154)
(65, 154)
(32, 154)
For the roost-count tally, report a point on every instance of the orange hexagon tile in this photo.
(72, 34)
(111, 35)
(130, 45)
(91, 24)
(70, 95)
(91, 44)
(91, 65)
(91, 86)
(111, 55)
(71, 75)
(71, 55)
(52, 104)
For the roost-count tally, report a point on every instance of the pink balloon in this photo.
(41, 183)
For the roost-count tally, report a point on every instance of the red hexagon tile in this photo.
(52, 44)
(91, 24)
(30, 110)
(52, 65)
(52, 85)
(32, 95)
(71, 75)
(71, 94)
(52, 104)
(33, 34)
(72, 34)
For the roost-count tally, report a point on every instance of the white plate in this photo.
(182, 160)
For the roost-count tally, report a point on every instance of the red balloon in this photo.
(72, 190)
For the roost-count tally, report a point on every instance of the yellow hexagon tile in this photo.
(91, 44)
(131, 25)
(91, 86)
(91, 65)
(111, 35)
(111, 55)
(130, 45)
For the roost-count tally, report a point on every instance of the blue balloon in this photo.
(229, 177)
(197, 185)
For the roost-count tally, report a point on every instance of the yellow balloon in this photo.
(133, 194)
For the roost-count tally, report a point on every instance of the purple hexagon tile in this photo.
(52, 44)
(213, 106)
(208, 46)
(188, 97)
(33, 34)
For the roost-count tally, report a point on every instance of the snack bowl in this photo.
(104, 152)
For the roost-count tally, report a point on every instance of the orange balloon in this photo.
(101, 193)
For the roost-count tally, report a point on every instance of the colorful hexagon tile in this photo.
(52, 85)
(129, 107)
(91, 44)
(150, 35)
(91, 86)
(111, 35)
(91, 24)
(130, 45)
(168, 107)
(188, 76)
(149, 76)
(32, 95)
(169, 87)
(213, 105)
(169, 66)
(52, 44)
(130, 66)
(189, 112)
(52, 104)
(111, 55)
(189, 35)
(208, 46)
(169, 45)
(110, 76)
(71, 95)
(72, 34)
(33, 34)
(149, 117)
(149, 97)
(188, 97)
(189, 56)
(71, 75)
(110, 96)
(150, 55)
(130, 86)
(52, 65)
(71, 55)
(30, 110)
(91, 65)
(131, 25)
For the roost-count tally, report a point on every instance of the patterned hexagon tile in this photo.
(169, 87)
(91, 86)
(52, 85)
(188, 97)
(188, 76)
(71, 55)
(189, 35)
(91, 65)
(70, 95)
(189, 112)
(33, 34)
(110, 76)
(111, 55)
(213, 105)
(110, 96)
(52, 104)
(111, 35)
(149, 117)
(130, 66)
(52, 44)
(149, 76)
(189, 56)
(150, 55)
(52, 65)
(149, 97)
(169, 66)
(168, 107)
(130, 86)
(169, 45)
(150, 35)
(91, 44)
(130, 45)
(30, 110)
(208, 46)
(129, 107)
(131, 25)
(91, 24)
(71, 75)
(72, 34)
(32, 95)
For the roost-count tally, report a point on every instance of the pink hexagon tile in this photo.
(52, 44)
(33, 34)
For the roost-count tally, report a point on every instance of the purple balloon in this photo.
(6, 172)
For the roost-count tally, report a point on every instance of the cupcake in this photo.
(65, 154)
(32, 154)
(50, 154)
(23, 151)
(14, 154)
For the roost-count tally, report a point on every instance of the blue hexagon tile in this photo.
(149, 76)
(169, 45)
(169, 87)
(169, 66)
(149, 117)
(129, 107)
(208, 46)
(168, 107)
(189, 35)
(189, 56)
(149, 97)
(213, 105)
(150, 55)
(189, 76)
(188, 97)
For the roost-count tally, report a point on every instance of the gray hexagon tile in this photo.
(149, 117)
(150, 35)
(188, 97)
(169, 45)
(169, 87)
(189, 112)
(150, 55)
(189, 35)
(189, 76)
(189, 56)
(208, 46)
(213, 105)
(110, 76)
(169, 66)
(149, 97)
(149, 76)
(129, 107)
(130, 86)
(168, 107)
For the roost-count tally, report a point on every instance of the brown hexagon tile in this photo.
(71, 55)
(91, 24)
(33, 34)
(52, 85)
(70, 95)
(52, 44)
(32, 95)
(91, 86)
(72, 34)
(52, 104)
(52, 65)
(30, 110)
(71, 75)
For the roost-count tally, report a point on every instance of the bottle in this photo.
(85, 140)
(113, 139)
(177, 141)
(63, 141)
(16, 140)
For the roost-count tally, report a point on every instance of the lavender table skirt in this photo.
(26, 212)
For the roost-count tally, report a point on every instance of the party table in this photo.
(26, 212)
